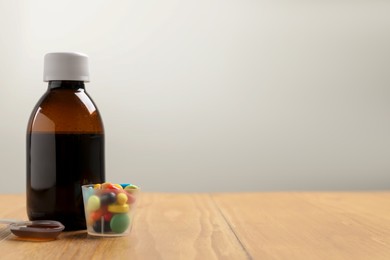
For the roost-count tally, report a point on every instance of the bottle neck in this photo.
(65, 84)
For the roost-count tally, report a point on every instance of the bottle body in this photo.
(65, 149)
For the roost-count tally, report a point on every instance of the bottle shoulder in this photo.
(66, 110)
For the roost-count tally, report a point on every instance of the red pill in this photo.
(111, 186)
(130, 197)
(107, 216)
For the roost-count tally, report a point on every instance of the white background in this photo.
(213, 95)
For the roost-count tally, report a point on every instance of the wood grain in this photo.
(167, 226)
(310, 225)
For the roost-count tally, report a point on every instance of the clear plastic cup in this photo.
(109, 209)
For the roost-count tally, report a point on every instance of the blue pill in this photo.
(101, 227)
(88, 193)
(107, 198)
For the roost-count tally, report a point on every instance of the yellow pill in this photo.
(121, 198)
(97, 186)
(115, 208)
(131, 188)
(93, 203)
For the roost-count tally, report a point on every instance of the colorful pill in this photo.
(107, 198)
(105, 185)
(107, 216)
(131, 187)
(130, 197)
(115, 208)
(111, 186)
(93, 203)
(118, 186)
(121, 198)
(119, 223)
(96, 215)
(101, 226)
(88, 193)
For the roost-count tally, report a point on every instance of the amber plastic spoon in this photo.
(42, 229)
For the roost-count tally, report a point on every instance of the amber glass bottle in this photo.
(65, 143)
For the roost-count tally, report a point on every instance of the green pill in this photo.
(119, 223)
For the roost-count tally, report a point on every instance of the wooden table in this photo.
(227, 226)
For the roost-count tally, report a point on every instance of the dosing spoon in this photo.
(43, 229)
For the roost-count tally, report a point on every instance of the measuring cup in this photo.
(42, 229)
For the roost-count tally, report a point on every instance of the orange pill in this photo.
(105, 185)
(96, 215)
(118, 186)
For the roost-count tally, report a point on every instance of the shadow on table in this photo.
(82, 234)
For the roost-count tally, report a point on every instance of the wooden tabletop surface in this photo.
(226, 226)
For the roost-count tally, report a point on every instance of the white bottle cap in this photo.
(72, 66)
